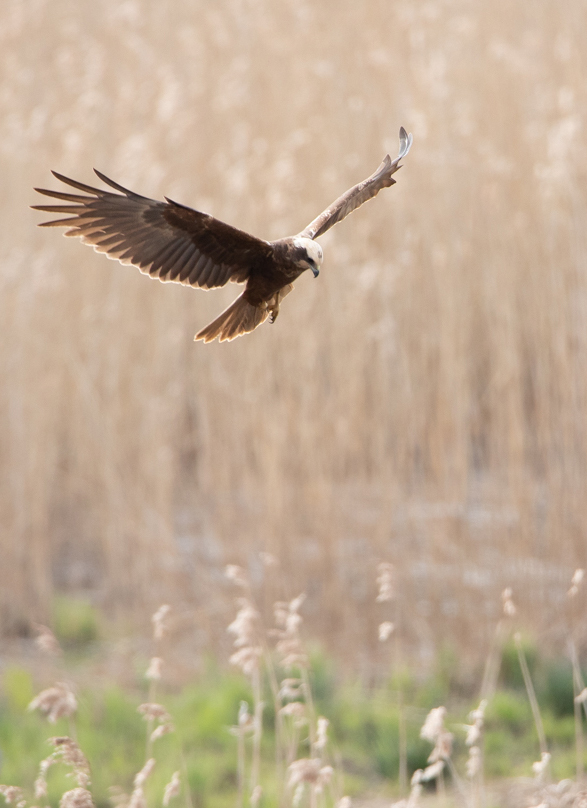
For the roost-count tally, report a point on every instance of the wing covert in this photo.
(165, 240)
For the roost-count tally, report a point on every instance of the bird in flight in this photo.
(173, 242)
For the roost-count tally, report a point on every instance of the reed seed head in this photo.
(289, 644)
(245, 629)
(443, 748)
(55, 702)
(473, 734)
(509, 608)
(142, 776)
(385, 582)
(247, 659)
(154, 670)
(576, 582)
(76, 798)
(237, 575)
(153, 711)
(541, 766)
(40, 787)
(46, 641)
(295, 709)
(161, 730)
(69, 753)
(474, 730)
(433, 771)
(12, 794)
(433, 725)
(385, 630)
(172, 789)
(159, 620)
(309, 770)
(321, 733)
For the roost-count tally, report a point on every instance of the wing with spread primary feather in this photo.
(165, 240)
(359, 194)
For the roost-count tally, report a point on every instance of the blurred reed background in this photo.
(423, 402)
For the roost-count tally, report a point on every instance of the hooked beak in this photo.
(315, 270)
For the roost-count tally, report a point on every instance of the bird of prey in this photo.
(172, 242)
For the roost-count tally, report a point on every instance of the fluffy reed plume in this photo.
(289, 643)
(433, 726)
(475, 729)
(509, 608)
(245, 628)
(153, 672)
(386, 629)
(137, 797)
(76, 798)
(321, 734)
(576, 582)
(160, 621)
(385, 582)
(55, 702)
(67, 751)
(433, 730)
(46, 641)
(564, 794)
(540, 767)
(13, 795)
(474, 766)
(308, 774)
(156, 714)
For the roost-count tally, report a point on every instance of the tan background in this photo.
(422, 402)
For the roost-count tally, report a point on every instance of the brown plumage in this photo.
(173, 242)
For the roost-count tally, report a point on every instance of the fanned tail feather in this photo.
(239, 318)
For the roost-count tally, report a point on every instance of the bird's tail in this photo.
(239, 318)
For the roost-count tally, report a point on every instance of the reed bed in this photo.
(307, 770)
(423, 402)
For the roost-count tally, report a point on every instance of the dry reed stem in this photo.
(532, 698)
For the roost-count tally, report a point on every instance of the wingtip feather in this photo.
(405, 143)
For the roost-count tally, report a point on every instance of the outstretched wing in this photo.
(166, 240)
(360, 193)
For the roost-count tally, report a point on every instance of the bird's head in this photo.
(308, 254)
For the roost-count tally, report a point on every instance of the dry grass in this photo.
(423, 401)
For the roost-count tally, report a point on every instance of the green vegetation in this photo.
(363, 732)
(75, 622)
